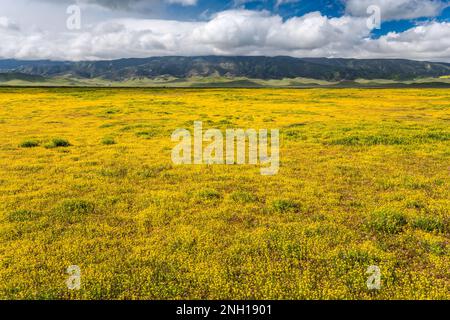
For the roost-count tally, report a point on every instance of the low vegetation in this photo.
(86, 179)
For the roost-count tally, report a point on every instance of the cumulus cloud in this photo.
(123, 4)
(429, 41)
(232, 32)
(6, 23)
(397, 9)
(229, 32)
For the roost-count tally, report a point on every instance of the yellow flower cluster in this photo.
(86, 179)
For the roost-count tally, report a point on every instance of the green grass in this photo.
(74, 210)
(58, 143)
(212, 82)
(108, 141)
(430, 224)
(29, 144)
(23, 216)
(387, 221)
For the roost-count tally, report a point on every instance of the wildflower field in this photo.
(86, 179)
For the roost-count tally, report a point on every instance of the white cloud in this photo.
(229, 32)
(183, 2)
(233, 32)
(6, 23)
(121, 4)
(429, 41)
(277, 4)
(397, 9)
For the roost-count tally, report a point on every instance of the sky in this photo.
(112, 29)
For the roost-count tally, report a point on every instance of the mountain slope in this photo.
(233, 67)
(4, 77)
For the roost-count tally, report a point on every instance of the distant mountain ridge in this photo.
(256, 67)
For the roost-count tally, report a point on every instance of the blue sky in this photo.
(287, 10)
(330, 8)
(110, 29)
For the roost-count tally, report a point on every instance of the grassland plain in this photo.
(86, 179)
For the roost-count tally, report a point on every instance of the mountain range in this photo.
(233, 67)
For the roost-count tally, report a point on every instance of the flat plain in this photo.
(86, 179)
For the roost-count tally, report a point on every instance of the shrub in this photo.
(108, 141)
(209, 194)
(145, 134)
(225, 122)
(387, 221)
(114, 172)
(106, 125)
(283, 206)
(58, 143)
(29, 144)
(73, 210)
(112, 111)
(153, 171)
(243, 197)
